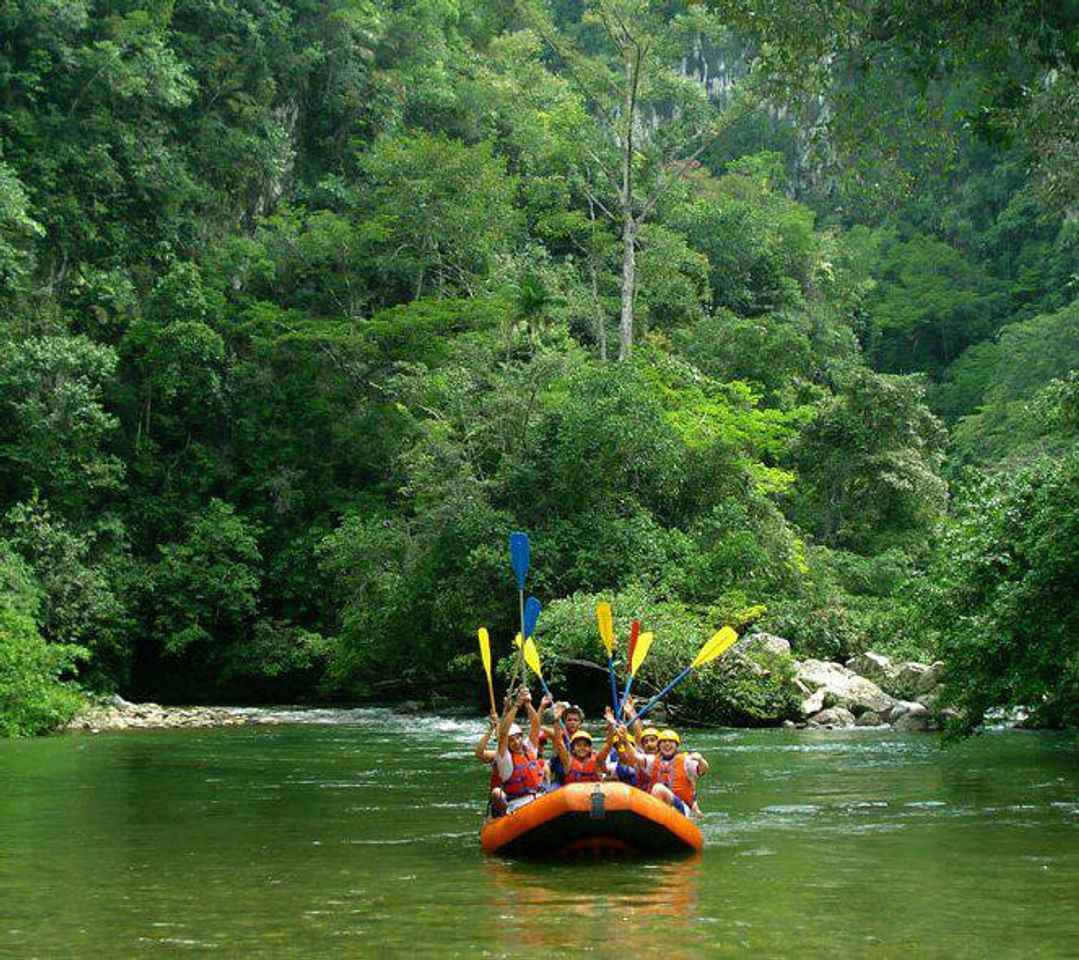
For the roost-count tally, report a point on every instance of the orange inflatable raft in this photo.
(602, 818)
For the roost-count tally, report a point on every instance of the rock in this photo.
(909, 715)
(909, 678)
(931, 679)
(409, 707)
(789, 725)
(872, 666)
(870, 719)
(814, 703)
(832, 717)
(843, 687)
(763, 643)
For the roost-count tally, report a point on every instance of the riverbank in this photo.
(120, 714)
(868, 691)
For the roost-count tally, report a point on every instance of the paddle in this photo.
(485, 656)
(636, 658)
(532, 658)
(532, 612)
(606, 632)
(519, 561)
(721, 640)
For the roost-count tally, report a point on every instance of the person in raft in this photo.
(580, 762)
(673, 775)
(622, 762)
(519, 766)
(569, 718)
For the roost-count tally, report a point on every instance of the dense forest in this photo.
(756, 313)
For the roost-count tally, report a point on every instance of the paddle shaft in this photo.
(625, 696)
(662, 693)
(614, 683)
(491, 691)
(518, 671)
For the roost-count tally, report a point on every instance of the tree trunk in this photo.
(629, 287)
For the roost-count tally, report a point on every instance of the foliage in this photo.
(33, 698)
(869, 462)
(304, 306)
(1001, 599)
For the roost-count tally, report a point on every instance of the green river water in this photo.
(357, 836)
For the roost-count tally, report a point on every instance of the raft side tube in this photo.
(612, 818)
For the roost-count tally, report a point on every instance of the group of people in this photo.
(644, 757)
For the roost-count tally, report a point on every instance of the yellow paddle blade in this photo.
(517, 641)
(644, 641)
(721, 640)
(532, 657)
(485, 649)
(606, 626)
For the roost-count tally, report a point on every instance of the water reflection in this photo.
(607, 908)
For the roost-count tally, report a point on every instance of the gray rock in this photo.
(909, 715)
(843, 687)
(789, 725)
(814, 703)
(909, 678)
(763, 643)
(931, 679)
(832, 717)
(870, 719)
(873, 666)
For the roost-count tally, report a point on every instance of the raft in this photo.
(605, 819)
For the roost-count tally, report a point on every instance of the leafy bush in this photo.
(33, 698)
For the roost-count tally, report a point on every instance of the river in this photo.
(354, 834)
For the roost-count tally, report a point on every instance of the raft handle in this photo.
(598, 810)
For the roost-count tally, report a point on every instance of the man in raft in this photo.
(672, 774)
(519, 765)
(567, 720)
(580, 762)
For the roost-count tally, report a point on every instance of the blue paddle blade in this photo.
(532, 612)
(519, 557)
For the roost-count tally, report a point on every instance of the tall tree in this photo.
(654, 118)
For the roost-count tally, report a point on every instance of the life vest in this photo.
(527, 776)
(672, 774)
(582, 771)
(496, 777)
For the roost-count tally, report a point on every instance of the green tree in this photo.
(33, 698)
(868, 464)
(1000, 597)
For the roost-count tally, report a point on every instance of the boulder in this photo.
(931, 679)
(913, 678)
(832, 717)
(873, 666)
(843, 687)
(871, 719)
(814, 703)
(909, 715)
(763, 643)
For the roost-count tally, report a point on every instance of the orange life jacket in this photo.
(672, 774)
(582, 771)
(527, 776)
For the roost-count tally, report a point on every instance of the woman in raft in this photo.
(520, 768)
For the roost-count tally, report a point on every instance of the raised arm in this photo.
(702, 764)
(507, 718)
(482, 753)
(601, 757)
(534, 718)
